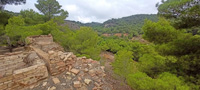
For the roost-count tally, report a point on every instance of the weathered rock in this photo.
(69, 59)
(30, 58)
(69, 78)
(67, 56)
(62, 56)
(97, 88)
(44, 84)
(68, 73)
(90, 66)
(60, 53)
(102, 67)
(63, 84)
(92, 72)
(95, 78)
(103, 74)
(79, 69)
(77, 84)
(87, 81)
(52, 88)
(83, 88)
(75, 71)
(99, 80)
(73, 74)
(73, 56)
(79, 78)
(50, 52)
(84, 57)
(70, 67)
(86, 70)
(96, 84)
(56, 80)
(99, 72)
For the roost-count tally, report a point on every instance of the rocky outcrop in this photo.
(47, 60)
(16, 74)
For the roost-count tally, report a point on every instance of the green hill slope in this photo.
(131, 24)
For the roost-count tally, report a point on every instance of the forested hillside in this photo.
(131, 24)
(169, 61)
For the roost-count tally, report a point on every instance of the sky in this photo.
(96, 10)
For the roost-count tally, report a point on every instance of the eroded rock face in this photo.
(44, 42)
(67, 70)
(21, 69)
(29, 59)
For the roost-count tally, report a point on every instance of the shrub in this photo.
(159, 32)
(141, 81)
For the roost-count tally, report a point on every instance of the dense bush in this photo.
(31, 17)
(123, 64)
(82, 42)
(17, 31)
(165, 81)
(159, 32)
(152, 64)
(140, 81)
(168, 81)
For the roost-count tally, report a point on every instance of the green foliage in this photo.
(178, 46)
(180, 51)
(186, 49)
(165, 81)
(168, 81)
(159, 32)
(110, 45)
(152, 64)
(17, 32)
(123, 64)
(85, 42)
(114, 45)
(194, 30)
(51, 9)
(141, 81)
(183, 13)
(4, 16)
(31, 17)
(82, 42)
(48, 27)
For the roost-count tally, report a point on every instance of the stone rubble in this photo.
(66, 70)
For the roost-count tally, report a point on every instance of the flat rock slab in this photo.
(56, 80)
(75, 71)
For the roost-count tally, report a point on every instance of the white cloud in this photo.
(98, 10)
(71, 8)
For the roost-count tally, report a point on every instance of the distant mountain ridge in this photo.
(130, 24)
